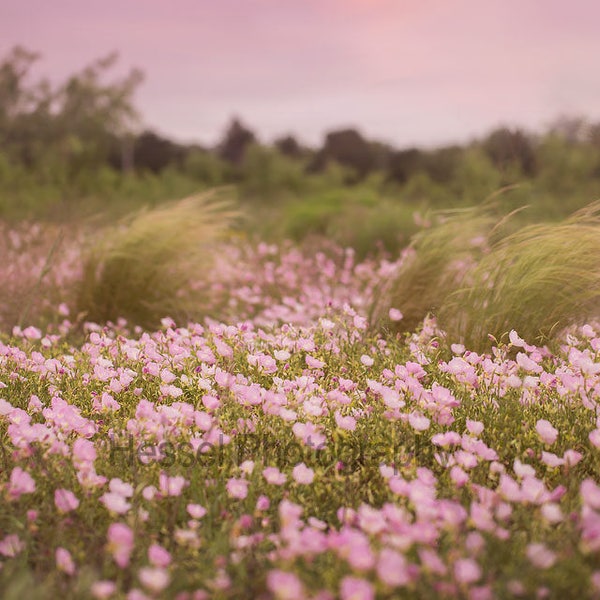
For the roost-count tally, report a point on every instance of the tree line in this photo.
(63, 132)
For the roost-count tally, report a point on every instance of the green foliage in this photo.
(352, 217)
(141, 270)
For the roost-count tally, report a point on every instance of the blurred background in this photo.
(350, 119)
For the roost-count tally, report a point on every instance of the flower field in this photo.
(284, 448)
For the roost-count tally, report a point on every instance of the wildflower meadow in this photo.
(280, 433)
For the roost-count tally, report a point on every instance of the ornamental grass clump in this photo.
(435, 265)
(480, 280)
(141, 270)
(538, 280)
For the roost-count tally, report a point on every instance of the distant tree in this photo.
(507, 148)
(289, 146)
(441, 164)
(235, 142)
(153, 152)
(403, 164)
(570, 128)
(348, 148)
(74, 124)
(594, 135)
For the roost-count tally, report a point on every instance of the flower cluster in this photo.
(294, 454)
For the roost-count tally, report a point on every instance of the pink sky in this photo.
(406, 71)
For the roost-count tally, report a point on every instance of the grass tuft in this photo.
(538, 281)
(480, 279)
(141, 269)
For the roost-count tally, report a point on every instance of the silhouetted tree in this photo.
(594, 135)
(348, 148)
(506, 147)
(403, 164)
(441, 164)
(154, 152)
(289, 146)
(236, 141)
(572, 129)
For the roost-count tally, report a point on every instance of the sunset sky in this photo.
(405, 71)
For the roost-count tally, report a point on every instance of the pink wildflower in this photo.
(65, 500)
(285, 586)
(467, 571)
(547, 433)
(64, 561)
(303, 474)
(158, 556)
(237, 488)
(120, 543)
(20, 483)
(353, 588)
(540, 556)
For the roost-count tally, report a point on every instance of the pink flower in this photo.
(540, 556)
(527, 364)
(552, 460)
(392, 568)
(11, 545)
(115, 503)
(347, 423)
(262, 503)
(120, 543)
(474, 427)
(171, 486)
(274, 476)
(418, 422)
(594, 438)
(118, 486)
(32, 333)
(282, 355)
(84, 452)
(552, 513)
(366, 360)
(432, 562)
(303, 474)
(458, 476)
(64, 561)
(449, 438)
(314, 363)
(467, 571)
(354, 588)
(20, 483)
(196, 511)
(572, 457)
(237, 488)
(103, 589)
(158, 556)
(359, 322)
(65, 500)
(546, 432)
(285, 586)
(153, 579)
(590, 493)
(395, 314)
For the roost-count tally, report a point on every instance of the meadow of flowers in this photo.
(282, 448)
